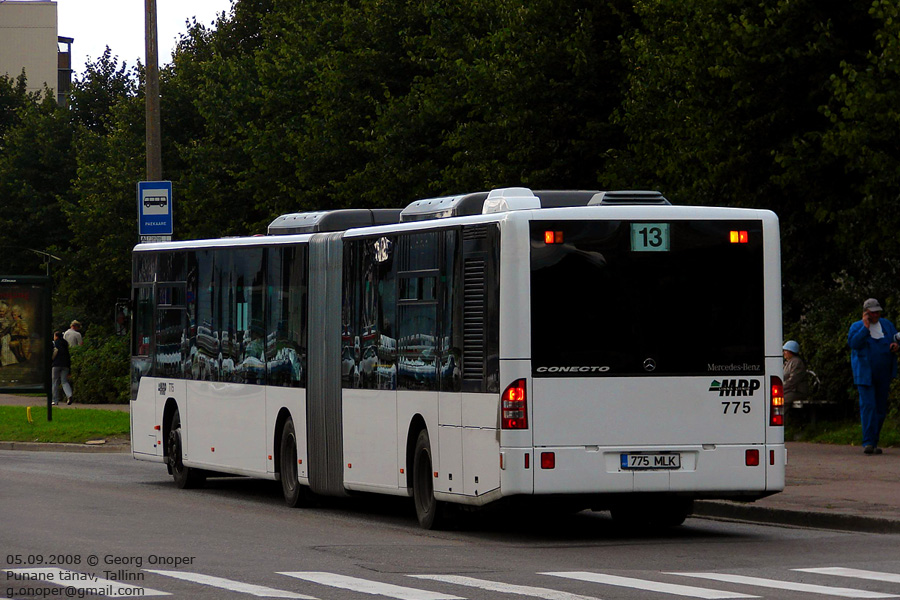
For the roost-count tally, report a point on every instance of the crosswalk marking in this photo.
(234, 586)
(368, 587)
(857, 573)
(651, 586)
(505, 588)
(87, 584)
(788, 585)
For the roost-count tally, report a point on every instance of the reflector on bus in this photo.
(751, 457)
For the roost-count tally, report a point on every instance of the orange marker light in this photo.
(553, 237)
(738, 237)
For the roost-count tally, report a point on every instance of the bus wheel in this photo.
(185, 477)
(430, 512)
(294, 494)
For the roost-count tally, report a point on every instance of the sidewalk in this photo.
(830, 487)
(10, 400)
(826, 486)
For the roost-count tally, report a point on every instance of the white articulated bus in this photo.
(605, 349)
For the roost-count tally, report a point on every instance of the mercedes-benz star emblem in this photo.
(649, 365)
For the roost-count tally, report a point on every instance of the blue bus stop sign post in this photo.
(155, 211)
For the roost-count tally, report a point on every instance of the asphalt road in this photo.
(75, 524)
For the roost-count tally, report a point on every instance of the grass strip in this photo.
(68, 425)
(841, 432)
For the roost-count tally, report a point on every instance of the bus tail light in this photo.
(776, 410)
(513, 406)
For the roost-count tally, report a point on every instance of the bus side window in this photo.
(286, 316)
(143, 320)
(417, 306)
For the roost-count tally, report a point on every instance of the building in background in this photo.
(29, 41)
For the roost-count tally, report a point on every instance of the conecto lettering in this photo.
(572, 369)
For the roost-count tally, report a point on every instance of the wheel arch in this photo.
(416, 424)
(169, 410)
(283, 415)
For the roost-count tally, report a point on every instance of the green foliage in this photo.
(36, 173)
(864, 118)
(104, 84)
(100, 369)
(107, 118)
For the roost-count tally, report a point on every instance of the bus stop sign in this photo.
(155, 211)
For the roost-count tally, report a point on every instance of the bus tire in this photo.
(672, 513)
(644, 514)
(430, 513)
(185, 477)
(295, 494)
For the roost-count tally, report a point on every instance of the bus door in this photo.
(419, 345)
(449, 367)
(145, 439)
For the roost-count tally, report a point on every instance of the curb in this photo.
(57, 447)
(795, 518)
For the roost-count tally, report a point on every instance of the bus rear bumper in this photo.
(703, 471)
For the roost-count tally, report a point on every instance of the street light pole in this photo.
(154, 145)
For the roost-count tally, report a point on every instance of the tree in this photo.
(36, 172)
(107, 126)
(13, 97)
(104, 83)
(865, 119)
(725, 108)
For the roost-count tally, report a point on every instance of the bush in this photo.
(100, 370)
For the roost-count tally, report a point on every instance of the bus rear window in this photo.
(616, 298)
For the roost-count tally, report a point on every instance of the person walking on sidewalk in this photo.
(73, 334)
(61, 365)
(872, 348)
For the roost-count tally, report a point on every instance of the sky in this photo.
(119, 24)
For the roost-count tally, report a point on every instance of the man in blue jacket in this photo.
(872, 345)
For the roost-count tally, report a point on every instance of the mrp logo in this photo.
(734, 387)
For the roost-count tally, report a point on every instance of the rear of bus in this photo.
(655, 367)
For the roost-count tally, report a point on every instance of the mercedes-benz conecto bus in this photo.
(604, 349)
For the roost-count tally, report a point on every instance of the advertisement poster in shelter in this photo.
(24, 333)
